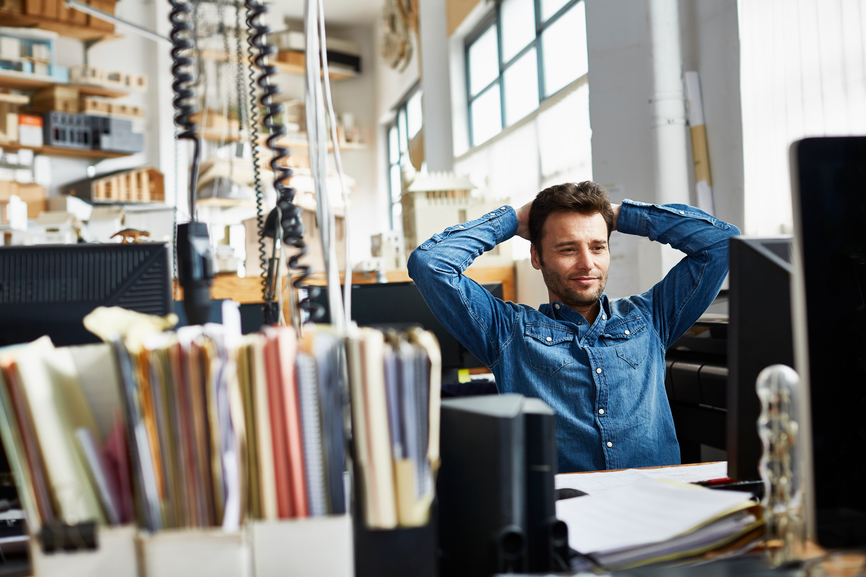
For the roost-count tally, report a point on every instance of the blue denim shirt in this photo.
(605, 381)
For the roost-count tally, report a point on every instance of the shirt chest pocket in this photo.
(630, 339)
(548, 348)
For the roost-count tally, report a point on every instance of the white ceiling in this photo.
(341, 12)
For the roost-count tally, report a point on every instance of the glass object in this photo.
(518, 26)
(778, 389)
(486, 116)
(564, 50)
(414, 114)
(483, 61)
(521, 87)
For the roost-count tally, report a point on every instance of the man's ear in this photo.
(534, 257)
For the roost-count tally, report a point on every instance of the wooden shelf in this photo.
(216, 135)
(217, 202)
(23, 81)
(67, 29)
(67, 152)
(293, 66)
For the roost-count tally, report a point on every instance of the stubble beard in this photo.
(569, 296)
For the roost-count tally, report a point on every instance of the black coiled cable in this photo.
(286, 217)
(182, 86)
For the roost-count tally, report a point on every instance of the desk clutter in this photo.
(202, 451)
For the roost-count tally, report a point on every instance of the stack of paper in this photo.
(52, 440)
(654, 520)
(292, 397)
(395, 387)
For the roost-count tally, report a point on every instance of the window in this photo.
(402, 129)
(524, 52)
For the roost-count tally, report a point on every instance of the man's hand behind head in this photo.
(523, 220)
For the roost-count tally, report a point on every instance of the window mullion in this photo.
(498, 25)
(539, 56)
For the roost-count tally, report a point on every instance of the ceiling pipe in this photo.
(668, 104)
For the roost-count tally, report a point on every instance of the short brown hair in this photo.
(585, 197)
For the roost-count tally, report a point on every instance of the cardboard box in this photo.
(29, 130)
(34, 195)
(10, 48)
(59, 98)
(8, 122)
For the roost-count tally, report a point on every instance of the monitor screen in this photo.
(49, 289)
(828, 178)
(400, 304)
(759, 335)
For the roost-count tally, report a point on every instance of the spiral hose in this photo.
(183, 101)
(288, 226)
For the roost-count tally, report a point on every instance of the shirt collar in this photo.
(566, 313)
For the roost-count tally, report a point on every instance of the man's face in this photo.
(574, 257)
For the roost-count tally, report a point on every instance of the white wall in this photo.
(620, 115)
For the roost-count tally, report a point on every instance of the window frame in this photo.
(494, 18)
(400, 108)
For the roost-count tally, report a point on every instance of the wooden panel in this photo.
(456, 12)
(249, 289)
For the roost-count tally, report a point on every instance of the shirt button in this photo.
(604, 317)
(601, 411)
(609, 444)
(598, 371)
(556, 307)
(681, 212)
(627, 333)
(548, 339)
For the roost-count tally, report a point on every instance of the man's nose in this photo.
(584, 259)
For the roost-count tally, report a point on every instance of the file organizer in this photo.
(395, 552)
(114, 555)
(185, 552)
(310, 547)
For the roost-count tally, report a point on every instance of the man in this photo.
(600, 364)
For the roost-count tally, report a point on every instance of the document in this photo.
(651, 512)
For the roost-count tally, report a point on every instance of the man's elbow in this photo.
(416, 263)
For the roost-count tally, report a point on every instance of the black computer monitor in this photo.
(759, 335)
(400, 304)
(828, 178)
(49, 289)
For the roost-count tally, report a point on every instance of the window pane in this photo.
(397, 216)
(396, 183)
(521, 87)
(401, 126)
(564, 49)
(414, 114)
(393, 146)
(486, 116)
(551, 7)
(483, 61)
(518, 26)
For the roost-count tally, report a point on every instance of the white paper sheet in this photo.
(592, 483)
(646, 511)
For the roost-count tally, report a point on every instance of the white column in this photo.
(668, 104)
(436, 84)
